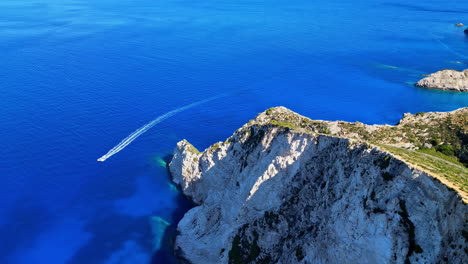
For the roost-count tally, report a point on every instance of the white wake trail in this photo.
(126, 141)
(456, 53)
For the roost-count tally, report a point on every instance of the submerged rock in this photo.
(447, 80)
(287, 189)
(466, 31)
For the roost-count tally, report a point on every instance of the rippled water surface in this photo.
(78, 76)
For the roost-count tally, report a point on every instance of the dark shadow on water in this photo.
(24, 223)
(167, 159)
(165, 255)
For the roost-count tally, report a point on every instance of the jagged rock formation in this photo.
(447, 80)
(287, 189)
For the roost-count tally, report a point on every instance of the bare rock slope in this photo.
(447, 80)
(287, 189)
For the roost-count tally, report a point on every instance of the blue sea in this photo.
(78, 76)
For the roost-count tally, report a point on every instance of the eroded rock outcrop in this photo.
(287, 189)
(447, 80)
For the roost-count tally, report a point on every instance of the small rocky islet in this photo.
(462, 25)
(287, 189)
(446, 80)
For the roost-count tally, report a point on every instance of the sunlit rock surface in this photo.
(287, 189)
(447, 80)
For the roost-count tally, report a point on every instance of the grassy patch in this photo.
(325, 130)
(192, 149)
(283, 124)
(430, 160)
(215, 146)
(440, 155)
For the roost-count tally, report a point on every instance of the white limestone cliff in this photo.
(278, 194)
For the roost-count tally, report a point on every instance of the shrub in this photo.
(446, 149)
(216, 146)
(385, 162)
(299, 254)
(463, 155)
(435, 142)
(386, 176)
(269, 111)
(325, 130)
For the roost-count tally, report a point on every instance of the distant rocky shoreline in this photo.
(446, 80)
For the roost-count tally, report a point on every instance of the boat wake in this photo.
(126, 141)
(451, 50)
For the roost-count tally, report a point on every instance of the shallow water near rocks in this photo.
(78, 76)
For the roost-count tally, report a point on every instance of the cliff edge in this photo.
(287, 189)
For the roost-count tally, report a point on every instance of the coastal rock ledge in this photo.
(287, 189)
(447, 80)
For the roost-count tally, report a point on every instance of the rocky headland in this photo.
(447, 80)
(287, 189)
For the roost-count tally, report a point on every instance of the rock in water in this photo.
(447, 80)
(466, 31)
(287, 189)
(459, 25)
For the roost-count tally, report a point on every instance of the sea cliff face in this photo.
(287, 189)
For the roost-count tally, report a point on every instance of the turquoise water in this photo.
(78, 76)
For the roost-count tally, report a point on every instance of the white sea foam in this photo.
(126, 141)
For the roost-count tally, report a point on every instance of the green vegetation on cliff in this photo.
(434, 142)
(191, 148)
(436, 163)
